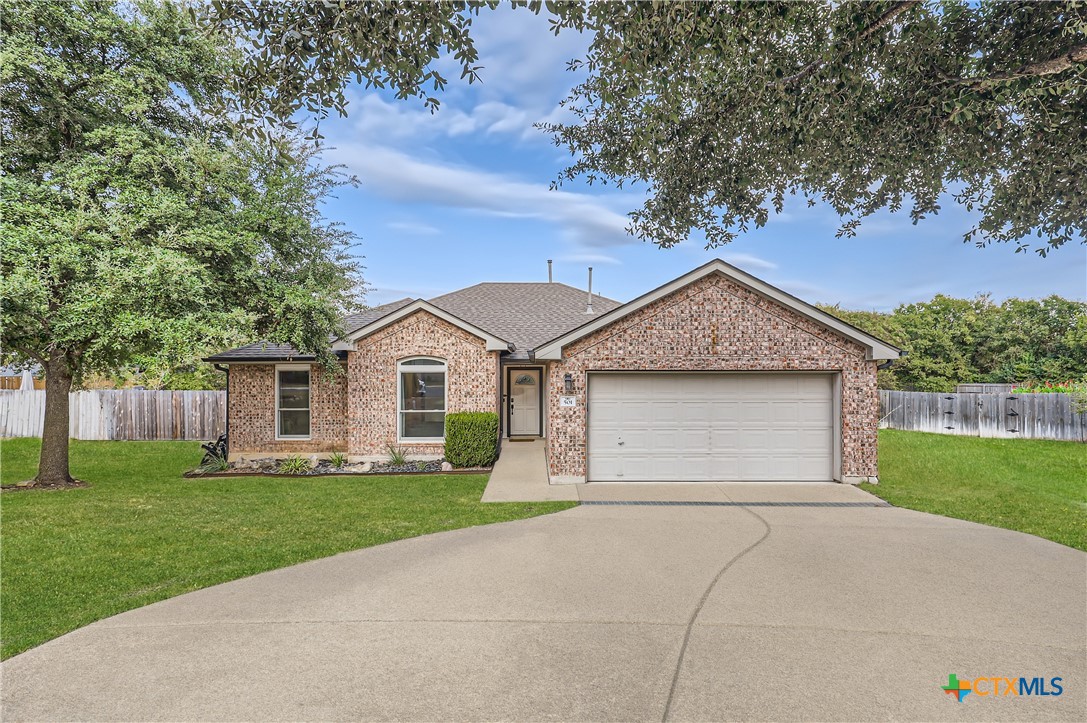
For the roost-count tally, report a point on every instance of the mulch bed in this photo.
(27, 486)
(378, 473)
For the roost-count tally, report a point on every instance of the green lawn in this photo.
(1031, 485)
(142, 533)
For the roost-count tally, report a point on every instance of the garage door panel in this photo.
(784, 413)
(755, 412)
(725, 413)
(714, 426)
(812, 413)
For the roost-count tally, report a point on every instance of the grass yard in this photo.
(1030, 485)
(141, 533)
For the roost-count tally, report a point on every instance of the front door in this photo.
(524, 402)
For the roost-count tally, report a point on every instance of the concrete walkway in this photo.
(602, 612)
(520, 475)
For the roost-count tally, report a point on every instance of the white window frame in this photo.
(294, 368)
(439, 365)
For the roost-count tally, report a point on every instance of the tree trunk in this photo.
(53, 463)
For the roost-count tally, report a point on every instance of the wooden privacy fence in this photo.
(1026, 416)
(120, 414)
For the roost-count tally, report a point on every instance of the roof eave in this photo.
(283, 359)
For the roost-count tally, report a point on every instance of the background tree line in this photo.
(958, 341)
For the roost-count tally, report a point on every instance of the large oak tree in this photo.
(134, 222)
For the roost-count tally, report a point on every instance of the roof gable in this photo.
(875, 348)
(493, 342)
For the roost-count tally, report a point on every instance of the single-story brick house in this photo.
(714, 376)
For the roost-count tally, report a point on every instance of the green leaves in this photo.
(301, 55)
(954, 341)
(865, 106)
(137, 229)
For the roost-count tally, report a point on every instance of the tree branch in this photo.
(1061, 63)
(26, 351)
(881, 22)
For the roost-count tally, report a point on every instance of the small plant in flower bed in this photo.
(294, 464)
(214, 464)
(1069, 387)
(337, 460)
(397, 458)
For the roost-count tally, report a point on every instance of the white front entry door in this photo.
(524, 402)
(676, 427)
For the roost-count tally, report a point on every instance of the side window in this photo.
(292, 402)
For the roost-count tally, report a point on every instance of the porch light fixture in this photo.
(568, 383)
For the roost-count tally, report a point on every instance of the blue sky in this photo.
(450, 199)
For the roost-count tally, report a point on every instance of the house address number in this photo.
(567, 401)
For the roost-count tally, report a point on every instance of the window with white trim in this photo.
(293, 402)
(421, 399)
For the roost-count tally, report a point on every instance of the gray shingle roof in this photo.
(524, 313)
(260, 351)
(351, 322)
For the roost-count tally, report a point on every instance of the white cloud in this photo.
(414, 227)
(590, 259)
(523, 78)
(585, 220)
(524, 62)
(812, 293)
(748, 261)
(396, 122)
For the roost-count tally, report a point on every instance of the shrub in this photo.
(337, 459)
(294, 464)
(471, 438)
(1069, 387)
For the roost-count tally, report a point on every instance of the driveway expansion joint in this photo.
(698, 609)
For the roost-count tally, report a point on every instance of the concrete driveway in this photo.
(604, 612)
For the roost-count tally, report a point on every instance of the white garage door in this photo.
(678, 427)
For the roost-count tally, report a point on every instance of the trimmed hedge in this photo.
(471, 438)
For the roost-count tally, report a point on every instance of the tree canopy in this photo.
(951, 341)
(726, 110)
(135, 225)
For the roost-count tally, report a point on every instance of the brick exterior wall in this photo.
(252, 412)
(471, 379)
(717, 325)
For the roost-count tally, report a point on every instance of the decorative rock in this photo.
(446, 467)
(366, 466)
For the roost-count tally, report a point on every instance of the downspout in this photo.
(226, 430)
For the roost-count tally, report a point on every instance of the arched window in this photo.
(421, 399)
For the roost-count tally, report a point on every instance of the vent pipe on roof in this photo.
(549, 278)
(589, 309)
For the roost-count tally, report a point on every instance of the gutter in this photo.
(891, 362)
